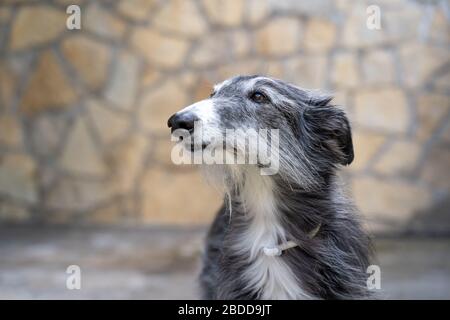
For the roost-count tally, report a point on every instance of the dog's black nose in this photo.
(184, 120)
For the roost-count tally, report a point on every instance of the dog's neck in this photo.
(260, 206)
(265, 200)
(261, 228)
(266, 211)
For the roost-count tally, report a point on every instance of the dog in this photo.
(289, 235)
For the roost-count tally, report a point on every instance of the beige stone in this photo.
(181, 16)
(345, 70)
(69, 2)
(281, 36)
(89, 58)
(382, 109)
(211, 50)
(240, 43)
(123, 85)
(80, 154)
(36, 25)
(391, 4)
(8, 80)
(150, 76)
(342, 5)
(402, 25)
(18, 177)
(307, 71)
(365, 144)
(401, 158)
(257, 11)
(10, 132)
(355, 33)
(17, 1)
(435, 169)
(5, 14)
(10, 212)
(79, 194)
(319, 35)
(440, 28)
(395, 201)
(131, 207)
(162, 155)
(110, 124)
(420, 62)
(378, 67)
(203, 89)
(109, 214)
(188, 79)
(166, 51)
(62, 217)
(48, 87)
(127, 160)
(304, 8)
(159, 104)
(274, 68)
(138, 10)
(196, 202)
(100, 21)
(251, 66)
(226, 13)
(431, 110)
(341, 97)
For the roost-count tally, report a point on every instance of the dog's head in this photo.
(314, 136)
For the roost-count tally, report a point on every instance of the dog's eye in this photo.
(258, 97)
(212, 94)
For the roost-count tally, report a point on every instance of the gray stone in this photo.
(109, 124)
(382, 109)
(122, 87)
(80, 153)
(18, 178)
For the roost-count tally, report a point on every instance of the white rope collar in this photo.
(278, 250)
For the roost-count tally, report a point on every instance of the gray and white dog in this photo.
(291, 235)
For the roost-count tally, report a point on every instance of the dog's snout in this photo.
(185, 120)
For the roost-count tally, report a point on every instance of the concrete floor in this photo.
(163, 264)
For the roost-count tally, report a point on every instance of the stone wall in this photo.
(83, 136)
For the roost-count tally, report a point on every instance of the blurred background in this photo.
(85, 170)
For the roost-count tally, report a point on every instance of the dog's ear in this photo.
(329, 130)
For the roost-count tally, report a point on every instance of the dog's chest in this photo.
(268, 276)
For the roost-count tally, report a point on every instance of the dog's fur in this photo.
(264, 211)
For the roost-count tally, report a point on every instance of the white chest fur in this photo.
(266, 274)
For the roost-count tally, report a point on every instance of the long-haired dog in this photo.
(293, 234)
